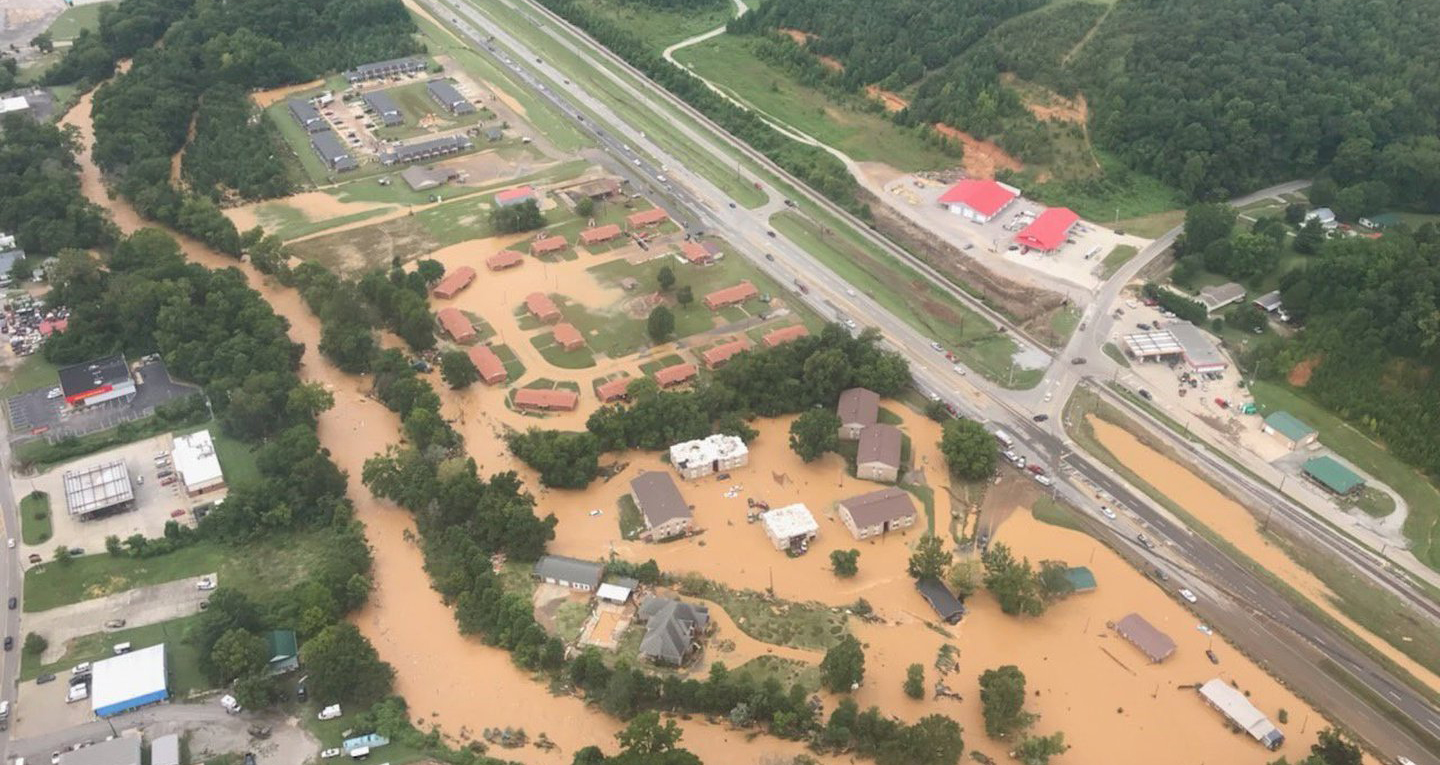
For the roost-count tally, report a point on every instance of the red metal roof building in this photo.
(489, 365)
(785, 334)
(1049, 230)
(696, 253)
(979, 200)
(722, 353)
(614, 390)
(568, 336)
(555, 400)
(542, 307)
(546, 245)
(731, 295)
(456, 325)
(647, 218)
(49, 327)
(600, 234)
(675, 374)
(455, 281)
(504, 259)
(515, 196)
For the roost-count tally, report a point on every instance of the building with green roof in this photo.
(1081, 578)
(1334, 476)
(1289, 430)
(284, 655)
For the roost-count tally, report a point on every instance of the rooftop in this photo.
(1151, 642)
(675, 373)
(330, 148)
(165, 750)
(569, 570)
(1288, 425)
(487, 363)
(422, 178)
(547, 244)
(600, 233)
(946, 605)
(517, 194)
(1081, 578)
(1335, 476)
(1269, 301)
(876, 507)
(670, 626)
(1200, 351)
(195, 458)
(457, 279)
(1048, 231)
(384, 106)
(984, 197)
(790, 521)
(1221, 295)
(1151, 344)
(454, 322)
(646, 217)
(119, 750)
(694, 252)
(732, 294)
(658, 497)
(78, 379)
(127, 677)
(859, 406)
(567, 335)
(557, 398)
(445, 92)
(98, 487)
(541, 305)
(410, 152)
(724, 352)
(379, 68)
(880, 443)
(609, 391)
(785, 334)
(708, 449)
(1233, 704)
(504, 259)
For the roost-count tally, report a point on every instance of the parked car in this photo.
(1078, 359)
(937, 347)
(329, 713)
(1145, 394)
(114, 624)
(205, 583)
(1040, 417)
(48, 677)
(1188, 595)
(178, 513)
(1036, 469)
(328, 753)
(1209, 654)
(34, 558)
(77, 551)
(9, 642)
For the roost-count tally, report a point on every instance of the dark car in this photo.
(1078, 360)
(768, 256)
(14, 601)
(1209, 654)
(249, 758)
(1040, 417)
(1142, 325)
(1145, 394)
(770, 234)
(9, 642)
(77, 551)
(45, 678)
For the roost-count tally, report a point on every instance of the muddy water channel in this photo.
(1113, 706)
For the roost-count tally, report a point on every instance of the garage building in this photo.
(99, 490)
(129, 681)
(978, 200)
(120, 750)
(95, 382)
(197, 464)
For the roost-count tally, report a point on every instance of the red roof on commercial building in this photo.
(600, 233)
(695, 253)
(458, 279)
(504, 259)
(647, 218)
(547, 244)
(785, 334)
(675, 374)
(516, 194)
(722, 353)
(542, 307)
(489, 365)
(731, 295)
(568, 336)
(610, 391)
(1049, 230)
(455, 324)
(984, 197)
(535, 398)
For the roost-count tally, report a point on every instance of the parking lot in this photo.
(155, 504)
(43, 412)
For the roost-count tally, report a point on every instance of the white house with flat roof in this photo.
(790, 527)
(197, 464)
(712, 454)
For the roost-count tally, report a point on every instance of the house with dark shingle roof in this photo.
(877, 457)
(582, 575)
(385, 108)
(859, 408)
(946, 605)
(665, 510)
(877, 512)
(672, 628)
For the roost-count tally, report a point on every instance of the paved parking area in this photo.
(42, 709)
(139, 607)
(35, 413)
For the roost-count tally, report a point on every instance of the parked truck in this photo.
(1005, 439)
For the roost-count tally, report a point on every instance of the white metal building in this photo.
(1238, 709)
(129, 681)
(165, 750)
(197, 464)
(790, 526)
(712, 454)
(97, 489)
(120, 750)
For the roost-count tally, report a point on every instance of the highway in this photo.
(11, 585)
(1243, 607)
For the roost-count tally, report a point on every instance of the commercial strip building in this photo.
(456, 325)
(1288, 430)
(732, 295)
(444, 93)
(1181, 340)
(1156, 645)
(128, 681)
(385, 108)
(581, 575)
(332, 152)
(877, 512)
(717, 356)
(418, 151)
(600, 234)
(95, 382)
(381, 69)
(103, 489)
(488, 364)
(1241, 713)
(542, 307)
(675, 374)
(979, 200)
(1048, 232)
(785, 335)
(709, 455)
(1331, 475)
(554, 400)
(425, 178)
(197, 464)
(665, 511)
(859, 408)
(878, 456)
(791, 527)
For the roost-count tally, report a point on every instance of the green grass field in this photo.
(631, 521)
(415, 103)
(729, 62)
(1055, 513)
(237, 459)
(32, 374)
(1151, 226)
(1113, 351)
(181, 657)
(35, 518)
(1422, 525)
(289, 223)
(660, 27)
(75, 19)
(779, 622)
(1117, 258)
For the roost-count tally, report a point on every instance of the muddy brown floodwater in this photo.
(1113, 707)
(1239, 527)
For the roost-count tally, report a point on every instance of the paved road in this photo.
(139, 607)
(1243, 605)
(11, 580)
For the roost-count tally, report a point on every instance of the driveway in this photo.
(138, 607)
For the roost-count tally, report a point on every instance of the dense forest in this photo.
(44, 208)
(1215, 98)
(193, 62)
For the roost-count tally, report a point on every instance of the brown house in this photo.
(547, 245)
(696, 254)
(556, 400)
(878, 455)
(675, 374)
(647, 218)
(542, 307)
(568, 336)
(455, 281)
(873, 514)
(600, 234)
(731, 296)
(504, 259)
(722, 353)
(784, 335)
(456, 325)
(489, 365)
(858, 410)
(613, 390)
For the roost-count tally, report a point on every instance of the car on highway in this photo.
(732, 205)
(959, 370)
(769, 257)
(9, 642)
(1040, 417)
(1188, 595)
(1145, 541)
(10, 543)
(14, 601)
(770, 234)
(1145, 394)
(1107, 512)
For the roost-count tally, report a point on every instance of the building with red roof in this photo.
(722, 353)
(653, 217)
(785, 334)
(675, 374)
(1049, 230)
(488, 364)
(547, 245)
(568, 336)
(696, 254)
(979, 200)
(542, 307)
(731, 295)
(504, 259)
(49, 327)
(515, 196)
(455, 281)
(600, 234)
(455, 325)
(613, 390)
(557, 400)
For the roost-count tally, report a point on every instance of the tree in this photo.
(255, 691)
(666, 278)
(936, 411)
(585, 207)
(1013, 583)
(930, 558)
(685, 296)
(932, 740)
(661, 323)
(1310, 237)
(645, 735)
(1002, 701)
(1246, 317)
(965, 577)
(1331, 748)
(35, 644)
(62, 555)
(457, 370)
(1208, 223)
(815, 432)
(1037, 750)
(915, 681)
(513, 219)
(43, 42)
(843, 667)
(238, 653)
(113, 546)
(1054, 580)
(845, 562)
(565, 460)
(968, 448)
(307, 400)
(344, 667)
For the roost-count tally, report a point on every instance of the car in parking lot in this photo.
(77, 551)
(1143, 326)
(53, 394)
(205, 583)
(1078, 360)
(1188, 595)
(34, 558)
(48, 677)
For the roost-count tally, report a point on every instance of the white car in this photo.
(205, 584)
(53, 394)
(10, 543)
(1107, 512)
(1188, 595)
(959, 370)
(938, 347)
(1204, 628)
(329, 713)
(328, 753)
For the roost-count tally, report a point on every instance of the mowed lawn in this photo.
(661, 28)
(76, 19)
(728, 61)
(415, 103)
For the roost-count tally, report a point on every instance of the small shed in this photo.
(617, 589)
(1288, 430)
(946, 605)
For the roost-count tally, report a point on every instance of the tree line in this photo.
(44, 207)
